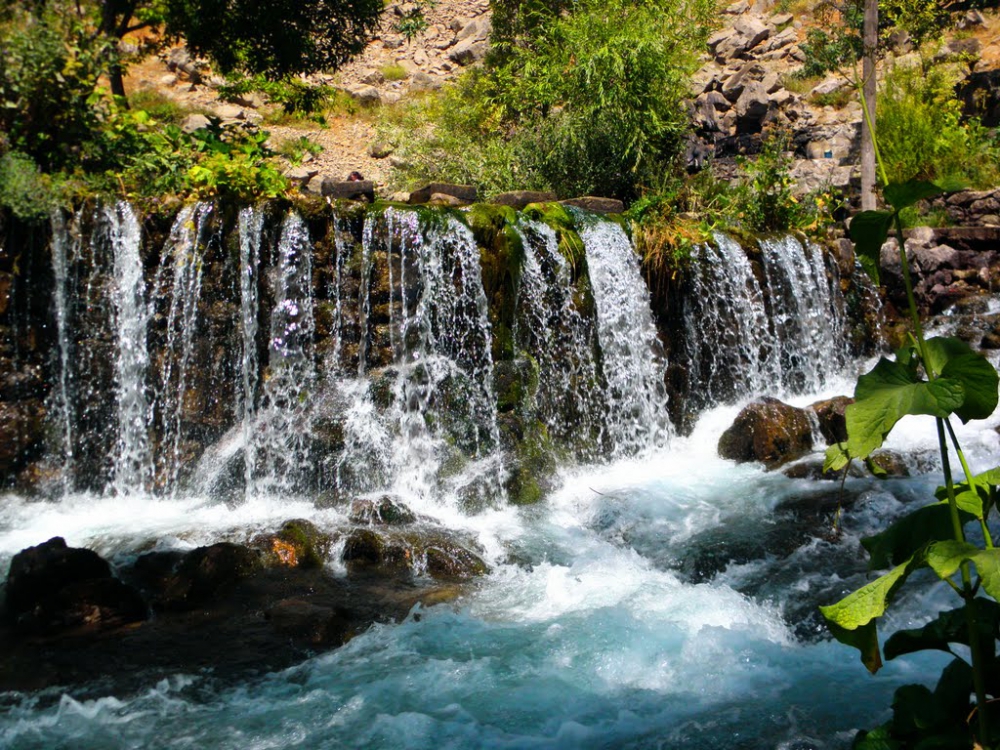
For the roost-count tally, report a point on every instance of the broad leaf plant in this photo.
(944, 378)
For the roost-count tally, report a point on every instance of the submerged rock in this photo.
(384, 510)
(768, 431)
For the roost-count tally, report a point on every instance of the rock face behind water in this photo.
(768, 431)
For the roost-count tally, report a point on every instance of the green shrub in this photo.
(24, 190)
(587, 101)
(159, 106)
(295, 149)
(921, 134)
(764, 200)
(394, 72)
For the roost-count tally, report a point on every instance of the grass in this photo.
(395, 72)
(800, 85)
(295, 149)
(159, 106)
(837, 99)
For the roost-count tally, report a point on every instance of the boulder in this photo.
(753, 30)
(830, 416)
(352, 190)
(465, 193)
(752, 107)
(207, 571)
(195, 122)
(434, 552)
(365, 94)
(468, 51)
(768, 431)
(520, 198)
(384, 510)
(52, 587)
(596, 204)
(311, 624)
(298, 543)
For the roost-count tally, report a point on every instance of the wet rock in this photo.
(768, 431)
(385, 510)
(432, 551)
(297, 544)
(892, 463)
(52, 587)
(206, 571)
(22, 434)
(309, 623)
(830, 415)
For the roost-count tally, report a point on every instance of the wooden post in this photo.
(868, 92)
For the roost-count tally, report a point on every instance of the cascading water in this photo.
(133, 461)
(634, 393)
(770, 328)
(282, 429)
(64, 249)
(179, 279)
(806, 317)
(561, 341)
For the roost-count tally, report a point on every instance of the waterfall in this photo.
(634, 393)
(251, 224)
(806, 321)
(281, 436)
(133, 464)
(63, 406)
(772, 329)
(180, 279)
(560, 339)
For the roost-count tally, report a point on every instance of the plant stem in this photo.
(970, 479)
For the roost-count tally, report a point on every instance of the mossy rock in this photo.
(206, 572)
(384, 510)
(434, 552)
(532, 464)
(515, 382)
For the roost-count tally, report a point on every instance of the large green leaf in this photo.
(869, 231)
(988, 567)
(945, 557)
(852, 619)
(949, 627)
(900, 195)
(910, 534)
(978, 503)
(979, 381)
(888, 393)
(941, 349)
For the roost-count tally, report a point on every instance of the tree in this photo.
(275, 38)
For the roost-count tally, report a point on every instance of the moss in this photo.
(534, 466)
(308, 542)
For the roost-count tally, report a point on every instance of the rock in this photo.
(371, 77)
(52, 587)
(229, 112)
(179, 61)
(195, 122)
(719, 37)
(297, 544)
(971, 18)
(352, 190)
(390, 97)
(892, 463)
(596, 204)
(168, 80)
(930, 259)
(366, 95)
(205, 572)
(468, 51)
(434, 552)
(520, 198)
(733, 86)
(781, 41)
(829, 86)
(309, 623)
(476, 29)
(738, 8)
(465, 193)
(444, 199)
(420, 58)
(22, 434)
(751, 108)
(385, 510)
(768, 431)
(753, 30)
(300, 176)
(380, 149)
(780, 19)
(315, 185)
(830, 415)
(422, 81)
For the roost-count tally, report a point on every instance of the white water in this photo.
(588, 640)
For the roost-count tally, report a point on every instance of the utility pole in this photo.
(868, 94)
